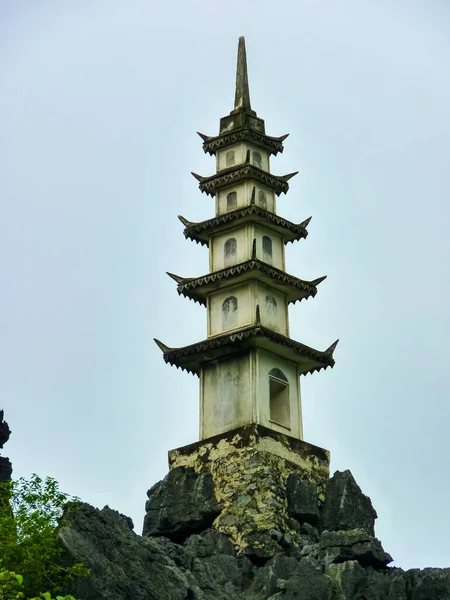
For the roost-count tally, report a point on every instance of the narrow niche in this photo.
(257, 160)
(279, 398)
(230, 252)
(271, 306)
(229, 312)
(262, 200)
(267, 249)
(231, 201)
(229, 158)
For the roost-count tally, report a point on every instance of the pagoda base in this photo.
(251, 469)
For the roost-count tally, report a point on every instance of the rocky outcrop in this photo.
(167, 516)
(346, 507)
(5, 464)
(309, 562)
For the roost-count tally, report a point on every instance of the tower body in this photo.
(249, 367)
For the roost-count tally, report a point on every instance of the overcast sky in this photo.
(100, 102)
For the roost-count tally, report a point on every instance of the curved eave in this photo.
(191, 358)
(202, 232)
(227, 177)
(295, 289)
(213, 144)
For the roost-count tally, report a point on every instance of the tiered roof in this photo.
(198, 288)
(241, 125)
(190, 358)
(201, 232)
(232, 175)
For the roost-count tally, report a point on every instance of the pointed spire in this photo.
(242, 95)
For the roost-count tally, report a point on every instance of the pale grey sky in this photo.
(100, 101)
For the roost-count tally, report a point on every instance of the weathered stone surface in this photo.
(182, 504)
(309, 583)
(249, 467)
(5, 469)
(124, 566)
(302, 501)
(429, 584)
(5, 463)
(351, 581)
(346, 507)
(354, 544)
(5, 431)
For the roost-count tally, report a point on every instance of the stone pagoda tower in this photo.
(251, 459)
(249, 367)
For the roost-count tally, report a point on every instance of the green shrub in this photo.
(30, 511)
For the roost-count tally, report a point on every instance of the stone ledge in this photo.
(257, 437)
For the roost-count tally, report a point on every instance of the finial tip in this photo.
(242, 95)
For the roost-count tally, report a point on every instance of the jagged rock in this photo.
(124, 566)
(351, 581)
(5, 469)
(182, 504)
(308, 583)
(346, 507)
(5, 431)
(271, 579)
(429, 584)
(355, 544)
(302, 501)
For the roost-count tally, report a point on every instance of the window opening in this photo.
(267, 249)
(279, 398)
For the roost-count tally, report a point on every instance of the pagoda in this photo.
(249, 367)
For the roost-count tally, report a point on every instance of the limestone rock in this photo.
(5, 469)
(302, 501)
(429, 584)
(354, 544)
(346, 507)
(182, 504)
(351, 581)
(5, 431)
(200, 562)
(124, 566)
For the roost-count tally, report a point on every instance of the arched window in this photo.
(271, 306)
(257, 160)
(231, 201)
(267, 249)
(230, 251)
(229, 158)
(279, 398)
(262, 199)
(229, 312)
